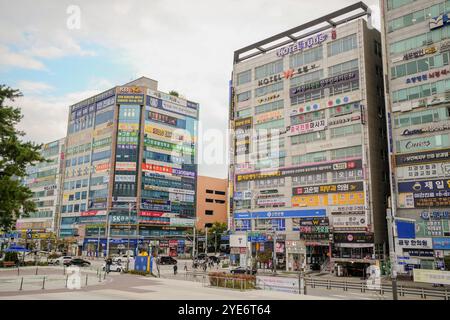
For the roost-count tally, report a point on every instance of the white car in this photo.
(60, 261)
(114, 267)
(122, 258)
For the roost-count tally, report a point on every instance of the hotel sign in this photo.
(302, 44)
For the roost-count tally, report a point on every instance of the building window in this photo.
(342, 45)
(244, 77)
(305, 57)
(209, 191)
(276, 105)
(308, 137)
(244, 96)
(209, 200)
(269, 69)
(220, 201)
(306, 78)
(345, 131)
(220, 192)
(309, 158)
(418, 16)
(420, 40)
(341, 68)
(344, 153)
(209, 212)
(268, 89)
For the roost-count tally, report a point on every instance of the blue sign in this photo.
(281, 214)
(141, 262)
(405, 229)
(259, 238)
(424, 186)
(225, 238)
(441, 243)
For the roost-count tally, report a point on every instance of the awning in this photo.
(17, 249)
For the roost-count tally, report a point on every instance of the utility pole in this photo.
(193, 243)
(392, 255)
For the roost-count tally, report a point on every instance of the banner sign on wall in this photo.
(417, 243)
(319, 200)
(440, 185)
(353, 237)
(302, 170)
(330, 188)
(421, 157)
(421, 194)
(324, 83)
(130, 99)
(316, 125)
(280, 214)
(429, 170)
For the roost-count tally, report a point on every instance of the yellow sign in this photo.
(259, 175)
(268, 116)
(128, 126)
(348, 198)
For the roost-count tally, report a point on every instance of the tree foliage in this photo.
(174, 93)
(15, 156)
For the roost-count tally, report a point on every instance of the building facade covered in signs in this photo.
(417, 47)
(44, 181)
(308, 171)
(130, 171)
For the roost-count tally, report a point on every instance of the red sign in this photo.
(154, 222)
(151, 214)
(152, 167)
(173, 243)
(88, 213)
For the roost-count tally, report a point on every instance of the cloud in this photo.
(186, 45)
(33, 87)
(10, 59)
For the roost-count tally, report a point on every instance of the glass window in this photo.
(244, 96)
(342, 45)
(269, 69)
(244, 77)
(269, 107)
(268, 89)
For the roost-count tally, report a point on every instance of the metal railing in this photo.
(35, 278)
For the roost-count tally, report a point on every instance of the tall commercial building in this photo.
(416, 44)
(308, 167)
(130, 171)
(44, 180)
(211, 201)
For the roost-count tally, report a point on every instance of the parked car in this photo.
(315, 266)
(167, 260)
(63, 260)
(122, 258)
(78, 262)
(114, 267)
(242, 270)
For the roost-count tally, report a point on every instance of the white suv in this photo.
(60, 261)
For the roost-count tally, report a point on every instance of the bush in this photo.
(11, 256)
(222, 279)
(140, 273)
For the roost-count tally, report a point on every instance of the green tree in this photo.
(15, 155)
(214, 233)
(174, 93)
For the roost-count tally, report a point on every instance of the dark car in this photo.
(78, 262)
(241, 270)
(201, 256)
(314, 266)
(167, 260)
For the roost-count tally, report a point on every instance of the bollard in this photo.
(345, 286)
(36, 271)
(67, 279)
(86, 280)
(423, 294)
(329, 284)
(64, 270)
(43, 283)
(18, 270)
(21, 284)
(104, 276)
(241, 285)
(446, 294)
(233, 283)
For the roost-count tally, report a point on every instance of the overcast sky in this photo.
(186, 46)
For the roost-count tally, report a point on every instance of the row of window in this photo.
(71, 185)
(41, 214)
(420, 40)
(320, 93)
(167, 183)
(422, 117)
(418, 16)
(421, 91)
(71, 208)
(78, 161)
(78, 196)
(420, 65)
(78, 149)
(299, 59)
(214, 200)
(45, 193)
(222, 193)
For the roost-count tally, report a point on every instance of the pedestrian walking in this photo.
(175, 268)
(185, 267)
(204, 267)
(108, 264)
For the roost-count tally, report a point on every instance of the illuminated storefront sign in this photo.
(324, 83)
(344, 119)
(349, 198)
(419, 53)
(153, 167)
(125, 166)
(172, 107)
(287, 74)
(269, 116)
(418, 144)
(245, 122)
(418, 243)
(312, 126)
(302, 170)
(330, 188)
(420, 194)
(427, 76)
(419, 158)
(130, 99)
(435, 215)
(353, 238)
(281, 214)
(125, 178)
(163, 118)
(268, 98)
(428, 129)
(349, 221)
(428, 170)
(439, 21)
(302, 44)
(102, 167)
